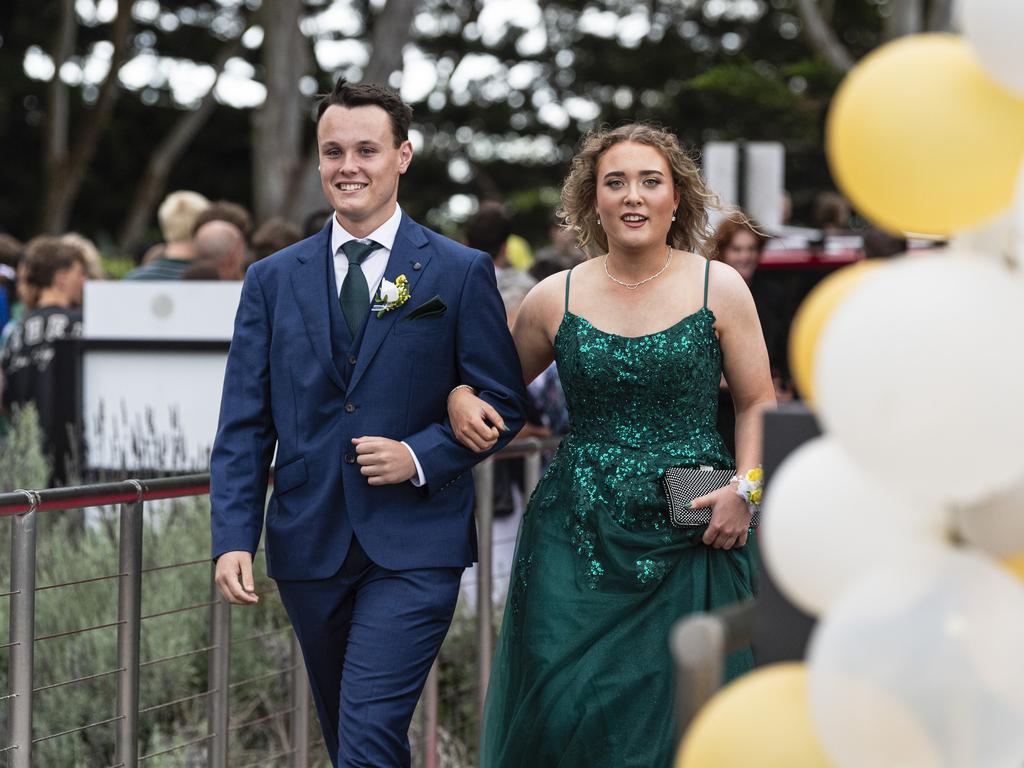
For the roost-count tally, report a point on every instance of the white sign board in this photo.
(176, 310)
(152, 369)
(763, 183)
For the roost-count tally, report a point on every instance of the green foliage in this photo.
(174, 640)
(83, 547)
(459, 691)
(22, 464)
(708, 72)
(116, 268)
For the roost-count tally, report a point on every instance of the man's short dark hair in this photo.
(273, 235)
(350, 95)
(45, 256)
(316, 221)
(225, 210)
(489, 228)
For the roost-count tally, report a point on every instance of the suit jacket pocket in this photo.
(290, 475)
(434, 307)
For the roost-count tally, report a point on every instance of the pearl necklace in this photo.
(634, 286)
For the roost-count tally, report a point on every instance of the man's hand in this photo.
(234, 578)
(474, 421)
(383, 461)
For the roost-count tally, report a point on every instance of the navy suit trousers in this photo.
(369, 636)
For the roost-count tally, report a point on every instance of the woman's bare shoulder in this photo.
(725, 285)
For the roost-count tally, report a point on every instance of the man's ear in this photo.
(405, 156)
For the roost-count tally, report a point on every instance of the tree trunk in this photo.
(278, 124)
(66, 169)
(154, 180)
(58, 113)
(822, 37)
(391, 31)
(940, 17)
(906, 18)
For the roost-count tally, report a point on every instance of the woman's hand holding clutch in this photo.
(474, 421)
(730, 518)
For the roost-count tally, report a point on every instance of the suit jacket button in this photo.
(350, 458)
(417, 267)
(349, 408)
(351, 359)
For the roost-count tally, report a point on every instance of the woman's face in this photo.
(742, 254)
(635, 196)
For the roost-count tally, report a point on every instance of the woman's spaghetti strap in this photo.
(707, 271)
(567, 276)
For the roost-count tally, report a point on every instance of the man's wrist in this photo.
(418, 479)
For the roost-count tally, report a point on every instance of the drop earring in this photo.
(673, 217)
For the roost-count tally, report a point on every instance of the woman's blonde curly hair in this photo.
(690, 230)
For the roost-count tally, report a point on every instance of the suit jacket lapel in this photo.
(312, 295)
(409, 249)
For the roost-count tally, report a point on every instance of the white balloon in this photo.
(1001, 237)
(919, 373)
(995, 28)
(995, 525)
(827, 523)
(1017, 216)
(919, 665)
(996, 238)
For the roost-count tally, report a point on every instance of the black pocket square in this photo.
(432, 308)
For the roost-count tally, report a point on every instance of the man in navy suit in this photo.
(345, 348)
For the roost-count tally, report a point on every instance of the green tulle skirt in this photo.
(583, 676)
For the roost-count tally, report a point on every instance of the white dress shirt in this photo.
(374, 264)
(373, 267)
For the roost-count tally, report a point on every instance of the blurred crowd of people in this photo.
(42, 285)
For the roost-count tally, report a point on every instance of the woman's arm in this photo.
(745, 364)
(474, 422)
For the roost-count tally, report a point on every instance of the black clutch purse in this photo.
(684, 484)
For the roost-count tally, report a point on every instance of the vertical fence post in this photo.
(300, 708)
(531, 469)
(220, 675)
(129, 631)
(22, 633)
(429, 718)
(484, 611)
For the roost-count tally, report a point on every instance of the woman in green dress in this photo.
(641, 334)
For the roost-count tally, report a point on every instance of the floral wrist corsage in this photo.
(751, 484)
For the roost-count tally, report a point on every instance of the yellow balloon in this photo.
(1015, 565)
(922, 140)
(763, 720)
(811, 317)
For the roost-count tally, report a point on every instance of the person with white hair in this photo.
(177, 216)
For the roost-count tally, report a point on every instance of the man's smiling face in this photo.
(360, 165)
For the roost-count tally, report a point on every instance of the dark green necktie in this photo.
(355, 293)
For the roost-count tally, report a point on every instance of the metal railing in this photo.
(699, 646)
(131, 496)
(25, 506)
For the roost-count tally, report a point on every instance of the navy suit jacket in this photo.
(285, 385)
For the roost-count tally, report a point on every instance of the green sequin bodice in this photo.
(656, 392)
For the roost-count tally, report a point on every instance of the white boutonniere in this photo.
(390, 295)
